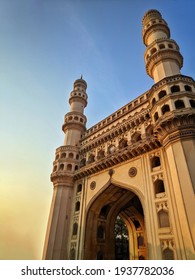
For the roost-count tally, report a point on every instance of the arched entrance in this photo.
(101, 240)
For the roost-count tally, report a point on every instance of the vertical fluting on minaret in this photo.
(162, 55)
(64, 166)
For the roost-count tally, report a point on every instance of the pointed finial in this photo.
(81, 76)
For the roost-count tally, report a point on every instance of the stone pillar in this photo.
(181, 158)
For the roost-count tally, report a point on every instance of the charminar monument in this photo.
(125, 188)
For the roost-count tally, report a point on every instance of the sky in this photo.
(45, 45)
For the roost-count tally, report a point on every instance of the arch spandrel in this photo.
(121, 177)
(118, 184)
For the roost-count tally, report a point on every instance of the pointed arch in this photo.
(136, 137)
(168, 254)
(163, 219)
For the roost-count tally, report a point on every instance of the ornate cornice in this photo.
(120, 155)
(161, 40)
(170, 80)
(82, 99)
(175, 125)
(73, 125)
(179, 135)
(64, 178)
(67, 148)
(121, 113)
(153, 28)
(160, 55)
(117, 130)
(75, 113)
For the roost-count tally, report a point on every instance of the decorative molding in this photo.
(167, 243)
(111, 172)
(158, 176)
(161, 55)
(162, 26)
(115, 131)
(162, 205)
(93, 185)
(67, 148)
(119, 156)
(121, 113)
(175, 125)
(62, 178)
(170, 80)
(132, 172)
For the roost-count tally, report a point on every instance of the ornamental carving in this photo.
(93, 185)
(132, 171)
(167, 243)
(111, 149)
(157, 177)
(129, 152)
(163, 205)
(123, 143)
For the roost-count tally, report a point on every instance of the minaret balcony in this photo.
(67, 153)
(62, 178)
(64, 168)
(74, 120)
(168, 82)
(65, 148)
(75, 117)
(157, 30)
(78, 96)
(160, 45)
(170, 62)
(75, 125)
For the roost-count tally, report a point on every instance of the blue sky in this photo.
(44, 46)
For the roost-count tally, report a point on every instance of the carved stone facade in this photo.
(136, 164)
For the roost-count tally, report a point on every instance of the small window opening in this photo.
(175, 88)
(165, 109)
(156, 117)
(187, 88)
(159, 186)
(155, 162)
(192, 103)
(79, 188)
(162, 93)
(77, 206)
(179, 104)
(163, 218)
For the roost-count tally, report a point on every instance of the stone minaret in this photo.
(66, 162)
(162, 56)
(172, 103)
